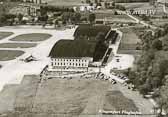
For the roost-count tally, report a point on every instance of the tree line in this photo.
(151, 73)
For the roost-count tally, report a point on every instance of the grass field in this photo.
(32, 37)
(116, 101)
(63, 2)
(5, 34)
(6, 55)
(129, 40)
(141, 5)
(75, 97)
(58, 96)
(17, 45)
(159, 21)
(69, 98)
(114, 18)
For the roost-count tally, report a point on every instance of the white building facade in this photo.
(70, 64)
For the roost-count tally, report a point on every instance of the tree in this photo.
(158, 33)
(163, 98)
(92, 17)
(145, 88)
(76, 17)
(56, 23)
(20, 17)
(157, 44)
(88, 1)
(100, 37)
(67, 16)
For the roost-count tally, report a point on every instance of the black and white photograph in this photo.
(83, 58)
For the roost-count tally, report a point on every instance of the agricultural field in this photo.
(64, 2)
(32, 37)
(159, 21)
(130, 43)
(6, 55)
(17, 45)
(110, 16)
(139, 5)
(5, 34)
(114, 18)
(142, 7)
(129, 40)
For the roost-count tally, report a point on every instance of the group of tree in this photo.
(50, 8)
(76, 17)
(151, 73)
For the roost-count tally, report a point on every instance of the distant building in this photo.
(69, 55)
(26, 9)
(33, 1)
(162, 1)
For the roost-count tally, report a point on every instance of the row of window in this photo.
(69, 64)
(70, 60)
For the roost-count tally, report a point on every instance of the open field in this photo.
(76, 96)
(129, 40)
(32, 37)
(5, 34)
(159, 21)
(6, 55)
(61, 96)
(116, 101)
(71, 98)
(114, 18)
(17, 45)
(111, 16)
(142, 5)
(63, 2)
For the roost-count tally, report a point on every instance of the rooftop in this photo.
(90, 31)
(71, 48)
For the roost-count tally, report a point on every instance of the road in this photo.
(138, 21)
(125, 60)
(164, 9)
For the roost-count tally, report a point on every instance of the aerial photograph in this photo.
(83, 58)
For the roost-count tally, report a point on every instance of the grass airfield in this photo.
(38, 43)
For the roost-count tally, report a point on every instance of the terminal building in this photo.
(33, 1)
(70, 55)
(88, 49)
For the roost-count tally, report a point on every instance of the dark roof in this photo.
(91, 31)
(73, 48)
